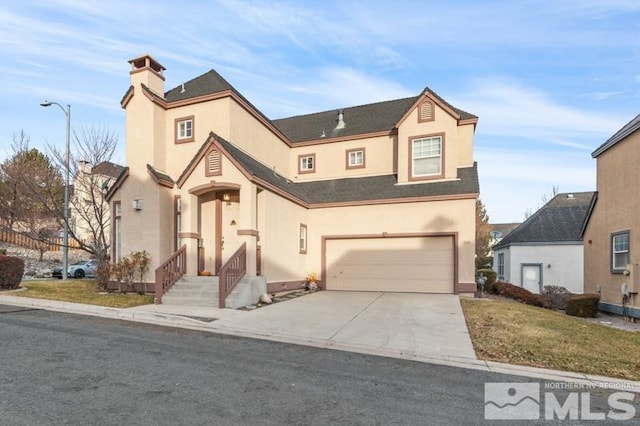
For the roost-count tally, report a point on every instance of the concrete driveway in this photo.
(402, 324)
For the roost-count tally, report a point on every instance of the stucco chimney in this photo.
(146, 70)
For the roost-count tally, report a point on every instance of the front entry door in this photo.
(532, 278)
(226, 234)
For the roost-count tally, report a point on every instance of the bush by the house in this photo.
(3, 252)
(11, 270)
(555, 297)
(491, 276)
(517, 293)
(583, 305)
(127, 269)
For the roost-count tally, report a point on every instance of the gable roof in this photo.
(370, 118)
(560, 220)
(107, 168)
(626, 130)
(368, 189)
(364, 119)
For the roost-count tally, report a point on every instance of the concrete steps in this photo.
(203, 292)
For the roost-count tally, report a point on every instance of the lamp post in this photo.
(65, 235)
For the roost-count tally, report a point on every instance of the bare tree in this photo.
(545, 199)
(93, 174)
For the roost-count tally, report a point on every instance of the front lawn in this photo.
(515, 333)
(80, 291)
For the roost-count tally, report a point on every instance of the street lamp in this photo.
(65, 236)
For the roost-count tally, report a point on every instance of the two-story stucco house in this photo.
(611, 235)
(373, 197)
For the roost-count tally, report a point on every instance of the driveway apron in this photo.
(411, 324)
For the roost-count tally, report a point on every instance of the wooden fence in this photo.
(22, 240)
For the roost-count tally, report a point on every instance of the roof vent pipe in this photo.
(341, 124)
(182, 88)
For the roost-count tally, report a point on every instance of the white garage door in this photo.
(395, 264)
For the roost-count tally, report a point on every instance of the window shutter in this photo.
(213, 162)
(426, 111)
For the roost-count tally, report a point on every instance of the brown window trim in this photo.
(193, 129)
(364, 159)
(303, 250)
(206, 163)
(300, 157)
(433, 112)
(442, 157)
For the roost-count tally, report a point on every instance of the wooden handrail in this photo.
(231, 273)
(170, 272)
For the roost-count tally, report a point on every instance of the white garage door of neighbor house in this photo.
(394, 264)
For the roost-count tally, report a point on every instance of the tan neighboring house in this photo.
(377, 197)
(611, 235)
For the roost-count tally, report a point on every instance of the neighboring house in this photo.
(90, 214)
(375, 197)
(546, 249)
(612, 233)
(497, 231)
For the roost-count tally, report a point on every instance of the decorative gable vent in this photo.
(214, 163)
(426, 111)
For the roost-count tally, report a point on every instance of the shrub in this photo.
(518, 293)
(583, 305)
(491, 276)
(555, 297)
(3, 252)
(11, 270)
(126, 270)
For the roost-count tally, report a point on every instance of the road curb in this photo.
(179, 321)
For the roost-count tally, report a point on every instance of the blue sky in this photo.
(549, 80)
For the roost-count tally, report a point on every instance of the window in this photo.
(355, 158)
(501, 265)
(184, 129)
(426, 112)
(213, 163)
(619, 251)
(307, 163)
(426, 157)
(117, 237)
(303, 238)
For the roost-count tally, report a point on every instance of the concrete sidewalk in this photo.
(406, 326)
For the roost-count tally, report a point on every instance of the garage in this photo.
(418, 264)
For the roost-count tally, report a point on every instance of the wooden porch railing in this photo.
(231, 273)
(169, 272)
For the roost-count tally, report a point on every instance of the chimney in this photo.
(341, 124)
(146, 70)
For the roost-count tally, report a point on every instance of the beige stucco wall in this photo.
(279, 225)
(420, 217)
(331, 158)
(255, 138)
(458, 142)
(616, 210)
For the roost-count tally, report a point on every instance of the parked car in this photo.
(84, 268)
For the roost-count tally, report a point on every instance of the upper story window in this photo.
(355, 158)
(426, 156)
(184, 129)
(213, 163)
(619, 252)
(307, 163)
(426, 112)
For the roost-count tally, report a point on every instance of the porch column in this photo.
(247, 231)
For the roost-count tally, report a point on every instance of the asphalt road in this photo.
(68, 369)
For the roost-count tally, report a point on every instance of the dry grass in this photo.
(80, 291)
(515, 333)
